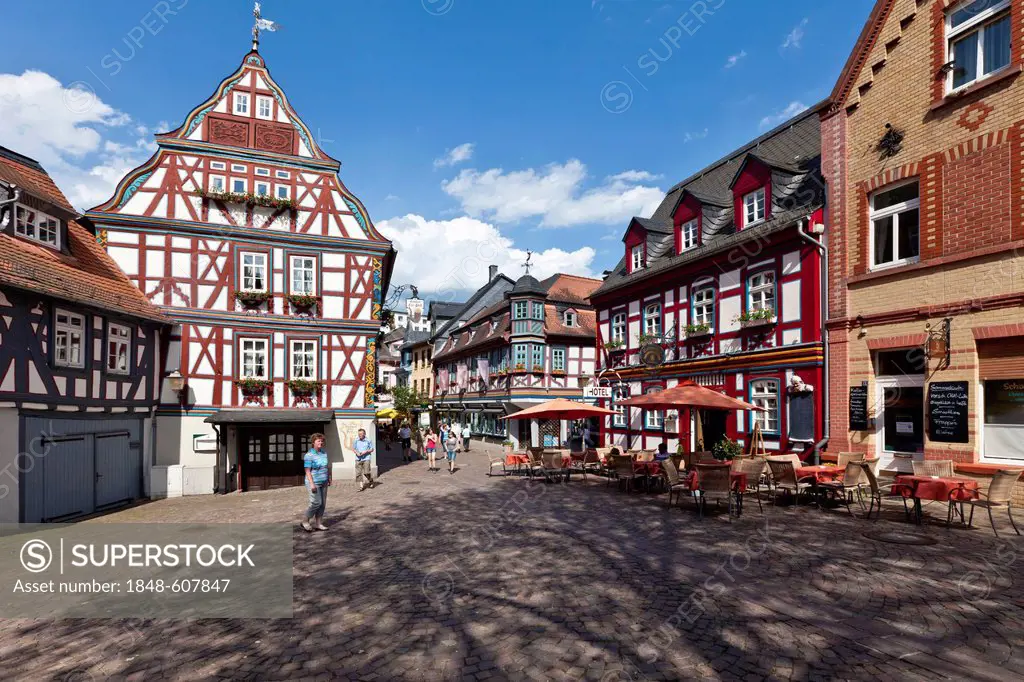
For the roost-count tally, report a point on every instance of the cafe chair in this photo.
(845, 458)
(784, 478)
(853, 481)
(877, 492)
(715, 483)
(533, 465)
(554, 466)
(754, 468)
(496, 459)
(943, 468)
(676, 484)
(999, 495)
(622, 465)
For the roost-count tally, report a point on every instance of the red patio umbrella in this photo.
(560, 408)
(688, 394)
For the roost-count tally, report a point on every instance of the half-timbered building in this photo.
(533, 345)
(241, 230)
(79, 359)
(723, 286)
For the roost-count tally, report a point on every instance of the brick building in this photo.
(923, 153)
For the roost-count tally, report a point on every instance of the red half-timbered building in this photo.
(240, 229)
(723, 286)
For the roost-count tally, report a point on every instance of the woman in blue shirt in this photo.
(318, 479)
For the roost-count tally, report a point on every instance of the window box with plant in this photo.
(757, 318)
(252, 299)
(695, 331)
(253, 388)
(614, 345)
(558, 372)
(247, 198)
(303, 303)
(304, 387)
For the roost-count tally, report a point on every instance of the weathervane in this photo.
(526, 265)
(261, 24)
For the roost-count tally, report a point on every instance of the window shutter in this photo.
(1001, 359)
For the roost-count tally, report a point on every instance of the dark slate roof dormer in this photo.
(527, 285)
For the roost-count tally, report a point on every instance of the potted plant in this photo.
(508, 445)
(519, 368)
(558, 372)
(644, 339)
(304, 388)
(252, 299)
(614, 345)
(303, 302)
(726, 449)
(253, 388)
(757, 318)
(698, 330)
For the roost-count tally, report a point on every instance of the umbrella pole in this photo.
(699, 430)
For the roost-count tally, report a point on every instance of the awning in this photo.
(271, 416)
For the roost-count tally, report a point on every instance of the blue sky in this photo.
(533, 124)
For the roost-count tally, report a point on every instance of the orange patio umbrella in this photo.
(688, 394)
(560, 408)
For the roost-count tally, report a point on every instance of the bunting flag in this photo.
(463, 377)
(442, 380)
(484, 367)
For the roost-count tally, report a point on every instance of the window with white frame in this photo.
(37, 226)
(264, 107)
(703, 312)
(978, 40)
(519, 355)
(753, 207)
(652, 319)
(119, 343)
(761, 292)
(537, 359)
(637, 257)
(238, 186)
(558, 359)
(654, 419)
(621, 417)
(242, 103)
(255, 359)
(283, 175)
(764, 393)
(520, 309)
(303, 275)
(216, 183)
(538, 311)
(619, 327)
(218, 165)
(896, 225)
(237, 168)
(570, 319)
(690, 235)
(304, 360)
(69, 339)
(283, 191)
(263, 189)
(254, 271)
(263, 172)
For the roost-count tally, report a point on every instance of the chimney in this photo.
(492, 272)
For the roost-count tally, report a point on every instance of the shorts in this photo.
(451, 455)
(431, 451)
(406, 442)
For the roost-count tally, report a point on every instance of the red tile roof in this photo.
(571, 288)
(87, 276)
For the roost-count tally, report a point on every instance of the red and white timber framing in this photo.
(180, 228)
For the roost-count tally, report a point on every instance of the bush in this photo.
(727, 449)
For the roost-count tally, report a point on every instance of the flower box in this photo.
(303, 303)
(252, 299)
(254, 390)
(304, 387)
(558, 372)
(248, 199)
(698, 331)
(757, 321)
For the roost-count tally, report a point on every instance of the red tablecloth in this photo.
(821, 473)
(935, 488)
(648, 468)
(737, 478)
(515, 460)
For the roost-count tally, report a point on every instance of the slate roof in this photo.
(414, 338)
(85, 273)
(793, 153)
(444, 308)
(480, 293)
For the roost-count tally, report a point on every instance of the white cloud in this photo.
(555, 194)
(796, 36)
(452, 256)
(68, 129)
(452, 157)
(392, 197)
(789, 112)
(733, 60)
(690, 137)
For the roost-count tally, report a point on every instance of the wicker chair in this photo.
(554, 466)
(845, 458)
(784, 478)
(878, 493)
(622, 465)
(754, 468)
(714, 482)
(999, 495)
(854, 481)
(676, 485)
(496, 459)
(533, 464)
(791, 458)
(940, 467)
(589, 462)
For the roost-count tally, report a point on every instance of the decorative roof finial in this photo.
(261, 24)
(526, 265)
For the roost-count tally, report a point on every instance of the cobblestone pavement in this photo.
(434, 576)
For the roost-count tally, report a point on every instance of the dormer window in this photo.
(753, 207)
(978, 35)
(570, 319)
(37, 226)
(689, 234)
(637, 258)
(242, 103)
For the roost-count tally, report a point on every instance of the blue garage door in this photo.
(74, 467)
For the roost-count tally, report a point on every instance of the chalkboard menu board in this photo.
(858, 408)
(947, 411)
(801, 416)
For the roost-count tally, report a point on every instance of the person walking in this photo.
(451, 443)
(467, 433)
(364, 469)
(405, 435)
(431, 445)
(318, 478)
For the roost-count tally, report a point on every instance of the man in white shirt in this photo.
(466, 435)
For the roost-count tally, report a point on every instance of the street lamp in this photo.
(176, 383)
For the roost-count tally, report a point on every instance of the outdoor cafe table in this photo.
(820, 473)
(938, 488)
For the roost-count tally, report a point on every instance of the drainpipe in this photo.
(823, 250)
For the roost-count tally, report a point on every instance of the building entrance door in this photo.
(272, 458)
